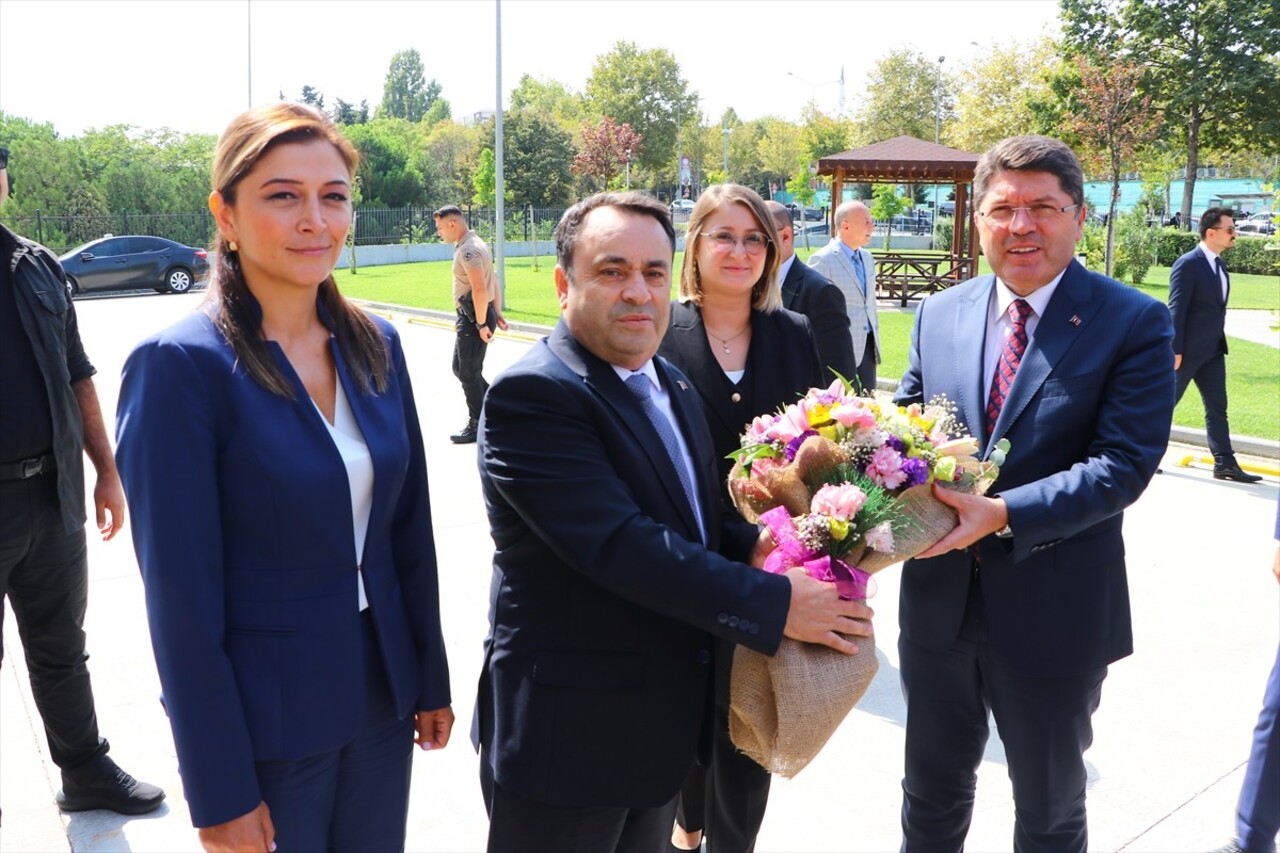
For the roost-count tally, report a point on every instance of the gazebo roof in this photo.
(902, 159)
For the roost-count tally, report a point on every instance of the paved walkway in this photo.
(1172, 734)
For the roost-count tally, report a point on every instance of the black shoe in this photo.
(1159, 470)
(1232, 846)
(467, 435)
(106, 786)
(1234, 472)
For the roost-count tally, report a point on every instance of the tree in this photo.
(1213, 75)
(455, 151)
(390, 174)
(1111, 120)
(343, 112)
(406, 93)
(886, 204)
(311, 96)
(643, 89)
(801, 188)
(606, 147)
(901, 98)
(538, 159)
(485, 181)
(995, 97)
(438, 111)
(781, 151)
(551, 99)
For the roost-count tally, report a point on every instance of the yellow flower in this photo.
(819, 414)
(831, 431)
(839, 529)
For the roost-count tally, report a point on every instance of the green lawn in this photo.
(1253, 370)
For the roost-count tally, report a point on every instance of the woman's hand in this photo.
(434, 728)
(249, 832)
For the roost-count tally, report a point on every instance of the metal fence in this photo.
(373, 226)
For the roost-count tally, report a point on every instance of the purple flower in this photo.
(896, 443)
(916, 471)
(793, 446)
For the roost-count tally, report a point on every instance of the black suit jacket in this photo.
(603, 605)
(781, 365)
(807, 291)
(1198, 309)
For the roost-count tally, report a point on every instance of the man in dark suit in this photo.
(807, 291)
(1020, 609)
(1198, 290)
(609, 581)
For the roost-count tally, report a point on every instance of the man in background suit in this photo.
(1020, 609)
(608, 587)
(1198, 290)
(807, 292)
(846, 263)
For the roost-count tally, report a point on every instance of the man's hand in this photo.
(433, 728)
(1177, 361)
(485, 334)
(819, 615)
(979, 516)
(249, 832)
(502, 321)
(764, 544)
(108, 503)
(1275, 565)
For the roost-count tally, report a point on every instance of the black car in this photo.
(810, 214)
(114, 263)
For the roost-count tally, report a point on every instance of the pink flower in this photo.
(764, 465)
(880, 538)
(853, 413)
(885, 468)
(842, 502)
(792, 422)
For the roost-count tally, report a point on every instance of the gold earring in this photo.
(232, 247)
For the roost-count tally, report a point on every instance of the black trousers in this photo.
(521, 825)
(867, 365)
(468, 361)
(45, 574)
(1045, 724)
(1210, 377)
(726, 799)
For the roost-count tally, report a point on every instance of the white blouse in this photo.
(347, 437)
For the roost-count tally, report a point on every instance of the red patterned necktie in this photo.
(1010, 357)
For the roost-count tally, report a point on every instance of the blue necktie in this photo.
(638, 384)
(862, 275)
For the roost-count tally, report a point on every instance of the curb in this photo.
(1244, 444)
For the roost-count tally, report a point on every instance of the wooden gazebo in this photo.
(907, 160)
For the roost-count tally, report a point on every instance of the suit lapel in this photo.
(699, 363)
(605, 383)
(1068, 315)
(971, 314)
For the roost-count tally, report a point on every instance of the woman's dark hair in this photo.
(246, 140)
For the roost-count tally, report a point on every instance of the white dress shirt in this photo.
(999, 326)
(347, 437)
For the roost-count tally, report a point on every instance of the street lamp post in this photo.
(727, 131)
(937, 138)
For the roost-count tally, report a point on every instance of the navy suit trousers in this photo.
(1210, 376)
(1258, 814)
(1044, 723)
(355, 798)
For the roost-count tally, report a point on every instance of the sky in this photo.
(192, 65)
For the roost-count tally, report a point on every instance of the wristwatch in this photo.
(1005, 532)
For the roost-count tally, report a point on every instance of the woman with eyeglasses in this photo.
(746, 355)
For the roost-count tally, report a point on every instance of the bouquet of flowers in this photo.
(843, 483)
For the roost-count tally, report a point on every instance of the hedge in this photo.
(1250, 254)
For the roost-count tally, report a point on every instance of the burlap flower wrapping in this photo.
(783, 709)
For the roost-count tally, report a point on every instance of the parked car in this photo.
(1258, 223)
(681, 205)
(809, 214)
(114, 263)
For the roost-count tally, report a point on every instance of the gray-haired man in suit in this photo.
(851, 268)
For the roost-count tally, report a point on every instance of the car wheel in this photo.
(73, 286)
(178, 280)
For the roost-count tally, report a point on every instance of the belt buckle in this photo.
(32, 467)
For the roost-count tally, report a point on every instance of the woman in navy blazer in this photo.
(273, 462)
(745, 355)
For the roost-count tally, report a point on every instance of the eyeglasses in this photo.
(1004, 215)
(753, 242)
(1230, 229)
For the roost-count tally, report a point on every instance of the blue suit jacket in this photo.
(597, 673)
(242, 525)
(1198, 309)
(1088, 419)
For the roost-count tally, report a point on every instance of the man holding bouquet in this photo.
(1021, 608)
(608, 577)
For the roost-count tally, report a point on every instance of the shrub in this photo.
(944, 230)
(1136, 245)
